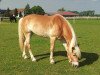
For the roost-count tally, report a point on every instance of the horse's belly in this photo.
(39, 31)
(44, 31)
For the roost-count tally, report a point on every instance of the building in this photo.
(20, 11)
(65, 14)
(68, 14)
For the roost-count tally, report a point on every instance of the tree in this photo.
(37, 10)
(76, 12)
(87, 13)
(61, 9)
(27, 10)
(15, 12)
(7, 13)
(20, 14)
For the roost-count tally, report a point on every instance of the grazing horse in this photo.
(54, 27)
(12, 18)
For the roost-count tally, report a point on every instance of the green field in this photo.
(11, 62)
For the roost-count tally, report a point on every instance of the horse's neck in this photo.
(73, 40)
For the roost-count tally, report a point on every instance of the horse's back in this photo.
(43, 25)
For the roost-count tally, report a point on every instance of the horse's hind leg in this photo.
(28, 47)
(24, 54)
(52, 42)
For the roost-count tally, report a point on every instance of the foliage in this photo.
(15, 12)
(27, 10)
(82, 13)
(98, 15)
(12, 63)
(87, 13)
(20, 14)
(61, 9)
(38, 10)
(74, 12)
(7, 13)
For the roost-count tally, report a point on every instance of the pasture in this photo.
(12, 63)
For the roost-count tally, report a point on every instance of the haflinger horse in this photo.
(54, 27)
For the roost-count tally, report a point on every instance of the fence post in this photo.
(0, 20)
(74, 20)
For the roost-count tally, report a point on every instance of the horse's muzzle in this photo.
(75, 64)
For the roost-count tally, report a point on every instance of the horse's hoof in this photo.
(34, 60)
(25, 57)
(52, 62)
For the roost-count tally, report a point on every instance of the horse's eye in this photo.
(74, 54)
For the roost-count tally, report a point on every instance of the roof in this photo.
(20, 10)
(65, 13)
(68, 13)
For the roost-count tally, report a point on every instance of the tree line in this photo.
(35, 9)
(82, 13)
(39, 10)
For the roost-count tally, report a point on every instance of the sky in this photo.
(53, 5)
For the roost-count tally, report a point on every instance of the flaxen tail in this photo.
(21, 35)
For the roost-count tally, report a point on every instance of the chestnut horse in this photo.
(54, 27)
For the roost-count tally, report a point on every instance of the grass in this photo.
(11, 62)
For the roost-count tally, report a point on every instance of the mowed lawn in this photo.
(11, 62)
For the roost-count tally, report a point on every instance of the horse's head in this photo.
(76, 51)
(74, 56)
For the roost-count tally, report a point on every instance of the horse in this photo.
(12, 18)
(54, 27)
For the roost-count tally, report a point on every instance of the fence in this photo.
(73, 18)
(83, 17)
(4, 18)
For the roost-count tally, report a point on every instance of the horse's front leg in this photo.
(66, 48)
(52, 43)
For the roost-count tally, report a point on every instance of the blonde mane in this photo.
(73, 41)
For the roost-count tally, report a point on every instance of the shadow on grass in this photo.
(87, 58)
(47, 55)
